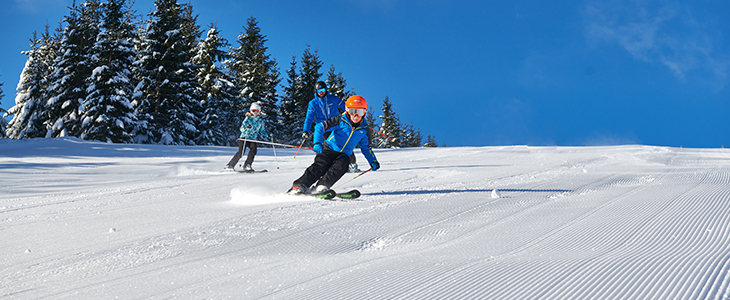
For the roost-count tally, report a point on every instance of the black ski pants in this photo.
(328, 167)
(241, 149)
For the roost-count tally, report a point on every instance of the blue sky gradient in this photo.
(482, 73)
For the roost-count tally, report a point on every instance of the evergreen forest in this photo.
(111, 75)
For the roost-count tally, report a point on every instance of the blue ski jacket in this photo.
(252, 127)
(345, 136)
(320, 109)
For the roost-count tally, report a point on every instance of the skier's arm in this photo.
(323, 127)
(366, 150)
(311, 113)
(263, 133)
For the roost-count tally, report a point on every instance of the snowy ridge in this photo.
(144, 221)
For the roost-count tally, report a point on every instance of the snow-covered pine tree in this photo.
(257, 74)
(390, 127)
(430, 142)
(165, 98)
(337, 84)
(309, 74)
(107, 110)
(30, 111)
(411, 137)
(291, 122)
(67, 84)
(298, 93)
(218, 90)
(401, 136)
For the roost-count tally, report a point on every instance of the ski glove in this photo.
(375, 165)
(305, 135)
(317, 148)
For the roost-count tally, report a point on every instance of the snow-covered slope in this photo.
(87, 220)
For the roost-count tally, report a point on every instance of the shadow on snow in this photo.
(451, 191)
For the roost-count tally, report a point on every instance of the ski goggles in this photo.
(321, 90)
(356, 111)
(255, 111)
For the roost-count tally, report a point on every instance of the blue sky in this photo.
(483, 73)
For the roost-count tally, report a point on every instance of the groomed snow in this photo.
(89, 220)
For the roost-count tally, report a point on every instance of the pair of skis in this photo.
(327, 195)
(331, 194)
(245, 171)
(252, 171)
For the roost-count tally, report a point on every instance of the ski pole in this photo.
(358, 175)
(382, 134)
(273, 147)
(243, 150)
(277, 144)
(300, 147)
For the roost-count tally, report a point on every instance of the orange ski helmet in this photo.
(356, 102)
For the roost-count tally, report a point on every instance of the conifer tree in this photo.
(107, 110)
(165, 98)
(217, 89)
(290, 120)
(298, 93)
(30, 111)
(67, 84)
(390, 127)
(411, 137)
(336, 84)
(309, 74)
(190, 28)
(257, 75)
(430, 142)
(400, 135)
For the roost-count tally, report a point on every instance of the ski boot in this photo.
(321, 189)
(324, 192)
(296, 190)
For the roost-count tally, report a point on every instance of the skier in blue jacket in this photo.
(251, 128)
(343, 132)
(322, 107)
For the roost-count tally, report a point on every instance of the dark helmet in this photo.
(320, 85)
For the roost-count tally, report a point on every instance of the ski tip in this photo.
(353, 194)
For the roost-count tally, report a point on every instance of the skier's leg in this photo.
(336, 170)
(236, 157)
(321, 164)
(253, 149)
